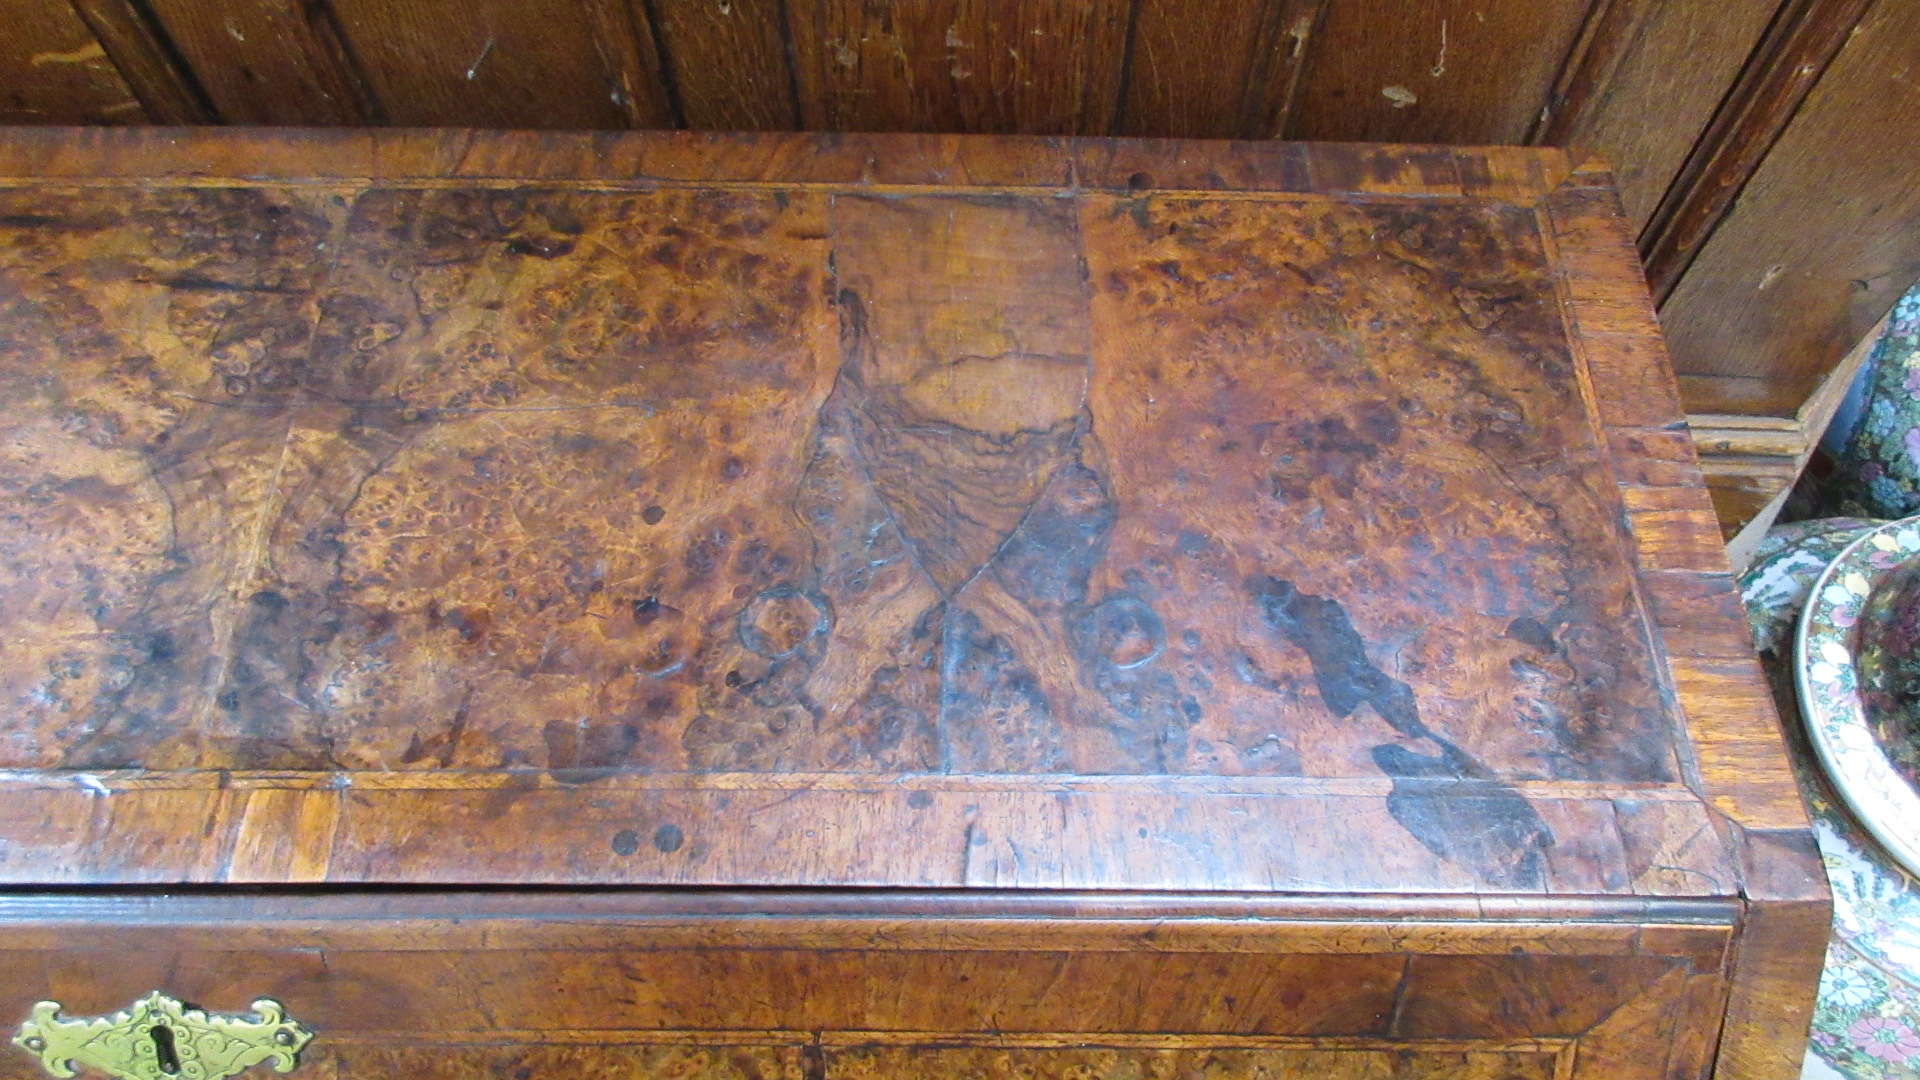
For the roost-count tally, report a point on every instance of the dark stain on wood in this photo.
(668, 839)
(914, 552)
(851, 482)
(1493, 829)
(749, 546)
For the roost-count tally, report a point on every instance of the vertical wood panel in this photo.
(267, 61)
(1649, 84)
(1041, 67)
(483, 63)
(54, 71)
(1234, 80)
(1446, 71)
(1803, 38)
(1610, 29)
(147, 60)
(729, 63)
(1822, 241)
(630, 55)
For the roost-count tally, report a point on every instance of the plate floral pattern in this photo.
(1831, 695)
(1783, 571)
(1866, 1023)
(1878, 472)
(1887, 662)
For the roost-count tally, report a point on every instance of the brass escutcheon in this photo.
(160, 1038)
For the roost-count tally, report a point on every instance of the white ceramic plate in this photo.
(1875, 789)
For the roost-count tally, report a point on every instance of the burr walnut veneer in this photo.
(826, 607)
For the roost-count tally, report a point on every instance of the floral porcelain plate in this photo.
(1857, 713)
(1775, 586)
(1866, 1024)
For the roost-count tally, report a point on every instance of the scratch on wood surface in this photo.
(1440, 62)
(1302, 29)
(77, 56)
(485, 51)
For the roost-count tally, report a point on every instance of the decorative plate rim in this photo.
(1881, 799)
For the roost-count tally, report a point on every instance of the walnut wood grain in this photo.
(858, 983)
(1738, 750)
(963, 581)
(747, 1058)
(1635, 80)
(1739, 760)
(1011, 624)
(888, 512)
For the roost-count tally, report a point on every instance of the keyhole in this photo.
(163, 1049)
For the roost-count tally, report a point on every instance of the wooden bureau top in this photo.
(881, 510)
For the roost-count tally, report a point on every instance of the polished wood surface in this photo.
(891, 511)
(715, 985)
(443, 494)
(1687, 98)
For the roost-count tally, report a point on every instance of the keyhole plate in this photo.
(163, 1051)
(160, 1038)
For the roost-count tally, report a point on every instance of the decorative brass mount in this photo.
(159, 1038)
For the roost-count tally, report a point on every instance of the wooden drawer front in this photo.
(530, 986)
(1200, 1062)
(829, 1060)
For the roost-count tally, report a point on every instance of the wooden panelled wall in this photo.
(1764, 147)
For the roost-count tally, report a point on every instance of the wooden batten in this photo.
(1752, 462)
